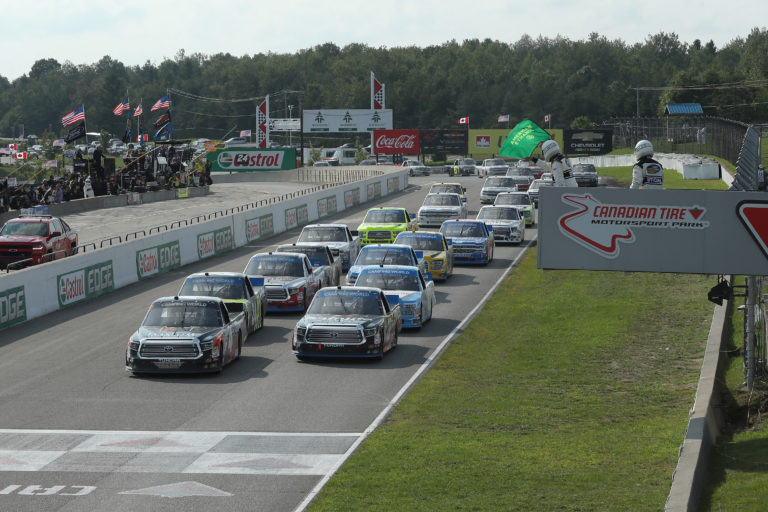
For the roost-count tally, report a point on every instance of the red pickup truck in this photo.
(34, 239)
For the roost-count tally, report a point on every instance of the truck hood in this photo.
(332, 245)
(468, 240)
(172, 333)
(286, 282)
(383, 227)
(22, 239)
(440, 209)
(366, 321)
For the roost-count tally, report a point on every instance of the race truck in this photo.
(326, 268)
(405, 286)
(382, 225)
(492, 167)
(464, 167)
(387, 254)
(438, 253)
(507, 221)
(185, 334)
(472, 240)
(235, 290)
(337, 237)
(348, 322)
(289, 279)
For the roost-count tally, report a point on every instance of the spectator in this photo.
(761, 177)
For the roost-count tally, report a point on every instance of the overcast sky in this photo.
(136, 31)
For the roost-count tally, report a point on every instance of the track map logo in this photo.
(601, 228)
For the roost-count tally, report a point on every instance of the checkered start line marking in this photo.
(252, 453)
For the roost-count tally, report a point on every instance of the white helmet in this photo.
(549, 149)
(643, 148)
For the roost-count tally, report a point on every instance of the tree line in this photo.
(428, 88)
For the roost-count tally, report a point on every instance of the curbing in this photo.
(690, 477)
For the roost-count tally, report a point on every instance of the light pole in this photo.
(290, 127)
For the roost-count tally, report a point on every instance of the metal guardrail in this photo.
(45, 258)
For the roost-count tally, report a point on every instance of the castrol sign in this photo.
(85, 283)
(396, 142)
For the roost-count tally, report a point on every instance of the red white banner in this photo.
(262, 123)
(396, 142)
(377, 94)
(464, 120)
(20, 156)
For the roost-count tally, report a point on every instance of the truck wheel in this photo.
(239, 347)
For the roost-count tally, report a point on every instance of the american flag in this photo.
(73, 117)
(121, 107)
(245, 133)
(163, 102)
(504, 118)
(138, 111)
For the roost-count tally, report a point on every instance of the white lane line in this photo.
(414, 378)
(161, 433)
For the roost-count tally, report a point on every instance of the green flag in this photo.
(523, 139)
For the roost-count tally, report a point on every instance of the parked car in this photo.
(321, 164)
(405, 286)
(585, 174)
(508, 224)
(345, 321)
(33, 239)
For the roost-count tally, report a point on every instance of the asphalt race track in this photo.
(77, 432)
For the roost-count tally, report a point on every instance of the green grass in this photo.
(738, 468)
(672, 179)
(580, 405)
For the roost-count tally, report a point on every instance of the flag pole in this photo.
(170, 116)
(85, 125)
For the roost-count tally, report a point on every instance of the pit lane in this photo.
(259, 436)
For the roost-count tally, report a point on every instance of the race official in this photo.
(559, 166)
(647, 173)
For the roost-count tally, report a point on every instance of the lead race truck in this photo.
(186, 334)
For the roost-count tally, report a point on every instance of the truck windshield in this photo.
(385, 217)
(395, 280)
(345, 305)
(323, 235)
(421, 243)
(25, 228)
(224, 288)
(183, 314)
(275, 266)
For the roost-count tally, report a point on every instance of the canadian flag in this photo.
(547, 117)
(464, 120)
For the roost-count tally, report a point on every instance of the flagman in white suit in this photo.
(558, 165)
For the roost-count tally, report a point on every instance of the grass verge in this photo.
(569, 391)
(738, 468)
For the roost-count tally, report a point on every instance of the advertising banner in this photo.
(486, 143)
(85, 283)
(158, 259)
(252, 159)
(347, 120)
(326, 206)
(351, 198)
(13, 307)
(215, 242)
(588, 142)
(437, 141)
(373, 190)
(259, 227)
(396, 142)
(681, 231)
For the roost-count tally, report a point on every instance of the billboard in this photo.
(346, 120)
(681, 231)
(245, 159)
(439, 141)
(396, 142)
(588, 142)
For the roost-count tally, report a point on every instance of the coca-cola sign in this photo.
(396, 142)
